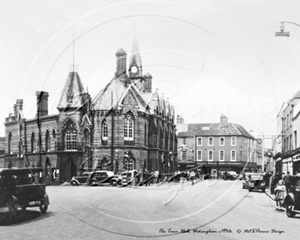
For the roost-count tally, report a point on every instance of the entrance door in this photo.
(68, 169)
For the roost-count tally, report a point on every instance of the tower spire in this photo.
(135, 62)
(73, 47)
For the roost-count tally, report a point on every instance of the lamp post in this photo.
(282, 33)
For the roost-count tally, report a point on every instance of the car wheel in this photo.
(74, 183)
(23, 209)
(93, 183)
(43, 208)
(289, 211)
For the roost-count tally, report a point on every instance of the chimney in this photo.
(179, 119)
(121, 61)
(148, 83)
(42, 103)
(19, 104)
(224, 119)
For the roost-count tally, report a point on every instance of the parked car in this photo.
(292, 200)
(230, 175)
(20, 188)
(128, 177)
(95, 178)
(254, 181)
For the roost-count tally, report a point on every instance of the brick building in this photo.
(215, 147)
(125, 126)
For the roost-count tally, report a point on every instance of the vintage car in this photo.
(95, 178)
(129, 177)
(292, 200)
(230, 175)
(21, 188)
(254, 181)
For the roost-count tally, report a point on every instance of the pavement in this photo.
(272, 196)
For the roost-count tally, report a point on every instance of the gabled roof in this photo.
(114, 93)
(213, 129)
(72, 94)
(109, 96)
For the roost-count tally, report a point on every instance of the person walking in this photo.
(288, 181)
(192, 177)
(280, 192)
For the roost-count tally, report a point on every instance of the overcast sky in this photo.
(209, 57)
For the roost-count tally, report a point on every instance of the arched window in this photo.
(9, 142)
(128, 127)
(70, 135)
(71, 140)
(47, 141)
(33, 143)
(104, 130)
(86, 134)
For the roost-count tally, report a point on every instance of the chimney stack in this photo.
(121, 61)
(148, 83)
(224, 119)
(19, 104)
(42, 103)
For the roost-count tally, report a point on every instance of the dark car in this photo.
(96, 178)
(231, 175)
(254, 181)
(292, 200)
(21, 188)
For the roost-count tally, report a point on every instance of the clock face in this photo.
(134, 69)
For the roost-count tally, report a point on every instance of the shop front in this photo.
(219, 168)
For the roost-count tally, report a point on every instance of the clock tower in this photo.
(135, 70)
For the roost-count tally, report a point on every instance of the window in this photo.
(104, 130)
(184, 141)
(33, 143)
(9, 142)
(199, 155)
(210, 141)
(222, 141)
(233, 141)
(291, 146)
(128, 127)
(184, 155)
(86, 135)
(233, 155)
(295, 139)
(71, 140)
(210, 155)
(199, 141)
(222, 155)
(47, 141)
(129, 164)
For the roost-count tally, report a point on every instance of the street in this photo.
(210, 209)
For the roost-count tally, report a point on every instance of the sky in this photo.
(208, 57)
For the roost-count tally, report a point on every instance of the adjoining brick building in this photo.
(215, 147)
(125, 126)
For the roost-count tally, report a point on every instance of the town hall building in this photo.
(126, 125)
